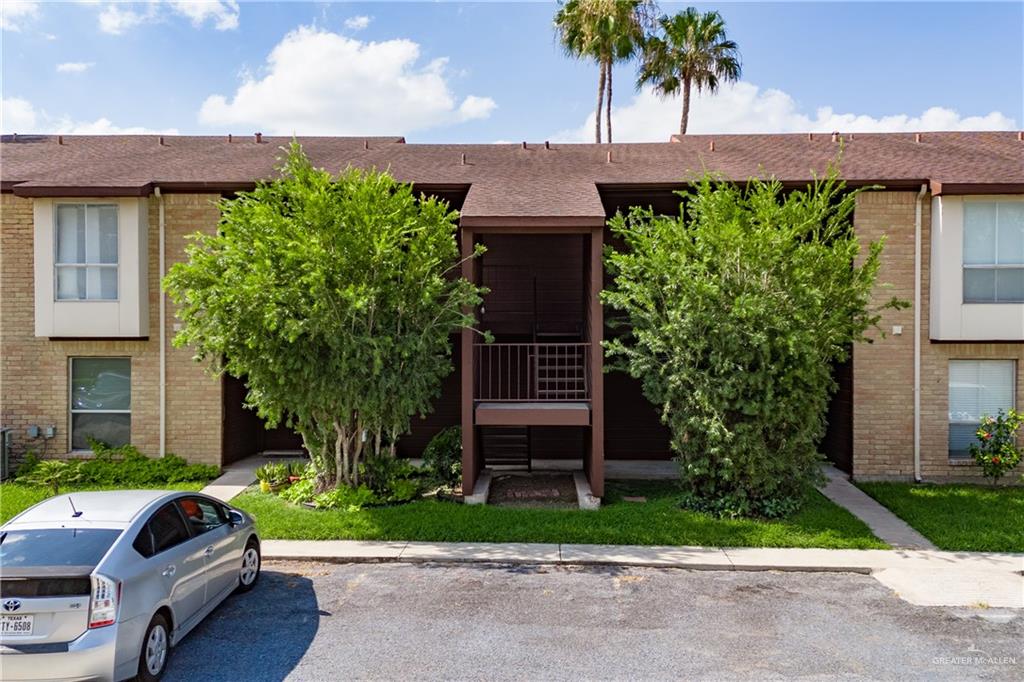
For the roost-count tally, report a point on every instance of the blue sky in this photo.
(482, 72)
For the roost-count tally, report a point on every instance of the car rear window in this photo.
(55, 546)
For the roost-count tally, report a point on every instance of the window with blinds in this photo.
(977, 389)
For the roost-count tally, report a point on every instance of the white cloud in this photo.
(117, 18)
(74, 67)
(316, 82)
(14, 12)
(745, 108)
(474, 107)
(17, 115)
(358, 23)
(223, 14)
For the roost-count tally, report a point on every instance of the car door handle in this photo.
(169, 571)
(208, 551)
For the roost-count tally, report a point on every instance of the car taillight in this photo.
(106, 594)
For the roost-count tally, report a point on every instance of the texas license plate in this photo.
(16, 625)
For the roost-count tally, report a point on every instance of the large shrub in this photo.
(335, 298)
(734, 313)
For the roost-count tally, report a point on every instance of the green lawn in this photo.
(658, 521)
(16, 497)
(958, 517)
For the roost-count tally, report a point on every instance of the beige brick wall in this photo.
(883, 371)
(34, 371)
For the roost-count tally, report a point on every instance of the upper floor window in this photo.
(993, 252)
(85, 243)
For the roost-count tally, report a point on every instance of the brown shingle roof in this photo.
(508, 180)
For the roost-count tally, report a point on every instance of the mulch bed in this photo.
(533, 490)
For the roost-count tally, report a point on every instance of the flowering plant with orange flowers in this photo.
(997, 451)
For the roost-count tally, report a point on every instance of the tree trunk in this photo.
(608, 108)
(356, 452)
(600, 102)
(686, 107)
(340, 455)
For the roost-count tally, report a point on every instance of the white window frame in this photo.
(71, 398)
(962, 422)
(994, 267)
(57, 265)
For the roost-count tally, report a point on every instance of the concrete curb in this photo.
(921, 577)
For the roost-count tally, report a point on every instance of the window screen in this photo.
(977, 388)
(100, 401)
(86, 251)
(993, 251)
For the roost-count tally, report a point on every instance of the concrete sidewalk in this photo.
(923, 577)
(883, 523)
(237, 477)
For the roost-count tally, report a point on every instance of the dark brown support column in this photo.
(470, 470)
(595, 465)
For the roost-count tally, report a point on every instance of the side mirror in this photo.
(235, 518)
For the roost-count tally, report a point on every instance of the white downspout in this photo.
(917, 332)
(163, 328)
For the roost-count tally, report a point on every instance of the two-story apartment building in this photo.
(90, 224)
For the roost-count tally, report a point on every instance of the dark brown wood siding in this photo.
(632, 428)
(515, 266)
(837, 445)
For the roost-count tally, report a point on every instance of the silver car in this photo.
(101, 585)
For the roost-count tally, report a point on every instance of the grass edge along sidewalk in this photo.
(657, 521)
(958, 517)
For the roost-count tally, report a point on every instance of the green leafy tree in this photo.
(605, 31)
(732, 315)
(334, 298)
(692, 52)
(996, 450)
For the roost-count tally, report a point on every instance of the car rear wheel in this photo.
(250, 570)
(156, 649)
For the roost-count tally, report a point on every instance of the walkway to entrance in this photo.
(882, 522)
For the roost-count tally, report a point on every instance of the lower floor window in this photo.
(977, 389)
(100, 401)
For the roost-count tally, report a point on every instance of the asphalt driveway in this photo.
(309, 621)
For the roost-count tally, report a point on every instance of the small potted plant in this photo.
(996, 451)
(296, 470)
(264, 475)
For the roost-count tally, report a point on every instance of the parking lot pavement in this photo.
(315, 621)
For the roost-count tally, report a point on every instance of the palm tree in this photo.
(606, 31)
(694, 53)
